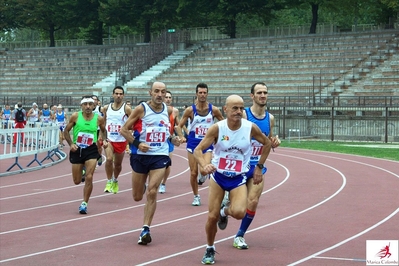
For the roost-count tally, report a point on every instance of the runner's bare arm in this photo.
(209, 139)
(186, 115)
(217, 113)
(69, 126)
(136, 114)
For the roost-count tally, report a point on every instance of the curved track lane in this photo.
(317, 208)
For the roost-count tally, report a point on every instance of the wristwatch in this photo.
(261, 166)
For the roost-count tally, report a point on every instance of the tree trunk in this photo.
(315, 16)
(147, 31)
(100, 33)
(232, 29)
(51, 34)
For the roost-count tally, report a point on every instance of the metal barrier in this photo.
(34, 141)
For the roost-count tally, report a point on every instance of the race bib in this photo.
(84, 140)
(155, 134)
(231, 162)
(257, 149)
(200, 132)
(114, 129)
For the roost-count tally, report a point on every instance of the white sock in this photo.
(222, 212)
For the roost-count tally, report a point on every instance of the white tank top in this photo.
(232, 152)
(155, 130)
(115, 120)
(200, 124)
(34, 117)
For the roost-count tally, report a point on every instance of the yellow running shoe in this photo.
(115, 186)
(108, 187)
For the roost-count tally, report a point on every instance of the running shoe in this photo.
(115, 186)
(100, 161)
(222, 223)
(83, 208)
(162, 188)
(202, 178)
(108, 187)
(226, 199)
(196, 201)
(209, 256)
(239, 242)
(145, 236)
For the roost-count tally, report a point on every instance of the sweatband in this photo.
(136, 143)
(86, 100)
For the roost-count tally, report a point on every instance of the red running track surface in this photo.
(317, 208)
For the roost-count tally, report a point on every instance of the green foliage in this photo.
(8, 9)
(293, 16)
(391, 4)
(91, 19)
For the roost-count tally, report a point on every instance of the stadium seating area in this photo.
(292, 65)
(364, 63)
(53, 70)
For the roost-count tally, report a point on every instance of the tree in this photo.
(393, 4)
(47, 16)
(314, 5)
(143, 16)
(8, 9)
(227, 13)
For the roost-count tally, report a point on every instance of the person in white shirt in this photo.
(115, 115)
(149, 151)
(230, 163)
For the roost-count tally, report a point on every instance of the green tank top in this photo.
(85, 132)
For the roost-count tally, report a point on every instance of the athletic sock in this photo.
(222, 213)
(146, 227)
(245, 223)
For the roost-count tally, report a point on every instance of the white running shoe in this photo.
(162, 188)
(202, 178)
(226, 199)
(196, 201)
(239, 242)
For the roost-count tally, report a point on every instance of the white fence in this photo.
(37, 142)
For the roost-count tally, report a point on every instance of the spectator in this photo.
(19, 116)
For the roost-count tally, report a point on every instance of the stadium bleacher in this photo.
(345, 63)
(285, 64)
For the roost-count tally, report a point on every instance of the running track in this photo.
(317, 208)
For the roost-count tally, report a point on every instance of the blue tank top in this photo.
(264, 125)
(46, 115)
(7, 114)
(60, 117)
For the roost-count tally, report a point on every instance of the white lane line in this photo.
(96, 239)
(79, 200)
(269, 224)
(35, 181)
(74, 186)
(119, 234)
(344, 259)
(192, 249)
(346, 240)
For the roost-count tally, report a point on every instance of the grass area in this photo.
(377, 150)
